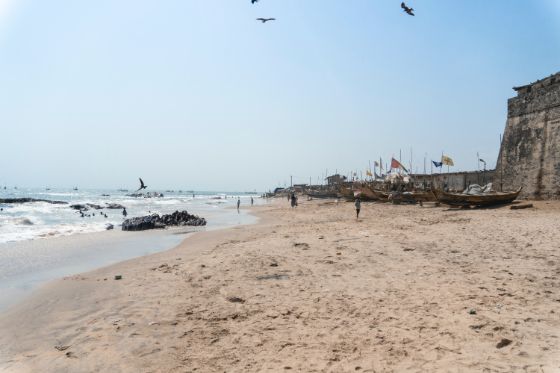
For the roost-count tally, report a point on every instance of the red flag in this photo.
(397, 164)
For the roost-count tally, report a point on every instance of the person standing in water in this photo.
(124, 213)
(358, 205)
(238, 203)
(252, 201)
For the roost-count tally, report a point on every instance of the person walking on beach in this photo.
(124, 213)
(238, 203)
(293, 200)
(358, 205)
(252, 201)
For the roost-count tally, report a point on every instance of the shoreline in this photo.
(51, 258)
(312, 289)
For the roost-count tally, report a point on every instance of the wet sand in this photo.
(404, 288)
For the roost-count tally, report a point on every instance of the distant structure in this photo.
(530, 150)
(335, 179)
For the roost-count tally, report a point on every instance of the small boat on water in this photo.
(485, 199)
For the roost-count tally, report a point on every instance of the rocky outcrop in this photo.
(28, 200)
(178, 218)
(114, 206)
(85, 207)
(146, 195)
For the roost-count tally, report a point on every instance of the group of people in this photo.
(239, 203)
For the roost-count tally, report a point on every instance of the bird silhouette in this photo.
(142, 186)
(254, 1)
(264, 20)
(407, 10)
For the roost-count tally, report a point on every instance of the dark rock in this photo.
(503, 343)
(236, 300)
(118, 277)
(109, 227)
(155, 221)
(114, 206)
(79, 207)
(93, 206)
(27, 200)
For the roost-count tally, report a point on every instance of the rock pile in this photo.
(178, 218)
(27, 200)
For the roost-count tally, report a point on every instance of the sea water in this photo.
(40, 241)
(24, 221)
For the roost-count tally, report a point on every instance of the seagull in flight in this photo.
(265, 20)
(254, 1)
(407, 10)
(142, 186)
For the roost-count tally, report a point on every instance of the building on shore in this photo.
(455, 181)
(530, 150)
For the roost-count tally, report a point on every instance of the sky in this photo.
(197, 94)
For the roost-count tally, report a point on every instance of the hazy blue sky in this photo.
(197, 94)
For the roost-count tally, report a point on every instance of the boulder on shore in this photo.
(114, 206)
(178, 218)
(27, 200)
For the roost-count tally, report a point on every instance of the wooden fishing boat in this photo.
(488, 199)
(348, 194)
(322, 194)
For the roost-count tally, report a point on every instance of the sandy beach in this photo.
(404, 288)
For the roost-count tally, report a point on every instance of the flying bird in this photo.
(254, 1)
(142, 186)
(264, 20)
(407, 10)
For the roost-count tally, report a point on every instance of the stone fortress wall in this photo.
(530, 149)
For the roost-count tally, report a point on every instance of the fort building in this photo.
(530, 151)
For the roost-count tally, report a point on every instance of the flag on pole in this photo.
(437, 164)
(446, 160)
(368, 173)
(397, 164)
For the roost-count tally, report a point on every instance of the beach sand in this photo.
(405, 288)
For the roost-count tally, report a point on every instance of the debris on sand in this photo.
(235, 300)
(523, 206)
(504, 342)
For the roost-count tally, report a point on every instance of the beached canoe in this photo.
(412, 197)
(488, 199)
(322, 194)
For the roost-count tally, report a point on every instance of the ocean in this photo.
(40, 241)
(38, 220)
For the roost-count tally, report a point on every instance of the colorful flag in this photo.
(397, 164)
(446, 160)
(437, 164)
(368, 173)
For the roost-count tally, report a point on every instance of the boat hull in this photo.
(491, 199)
